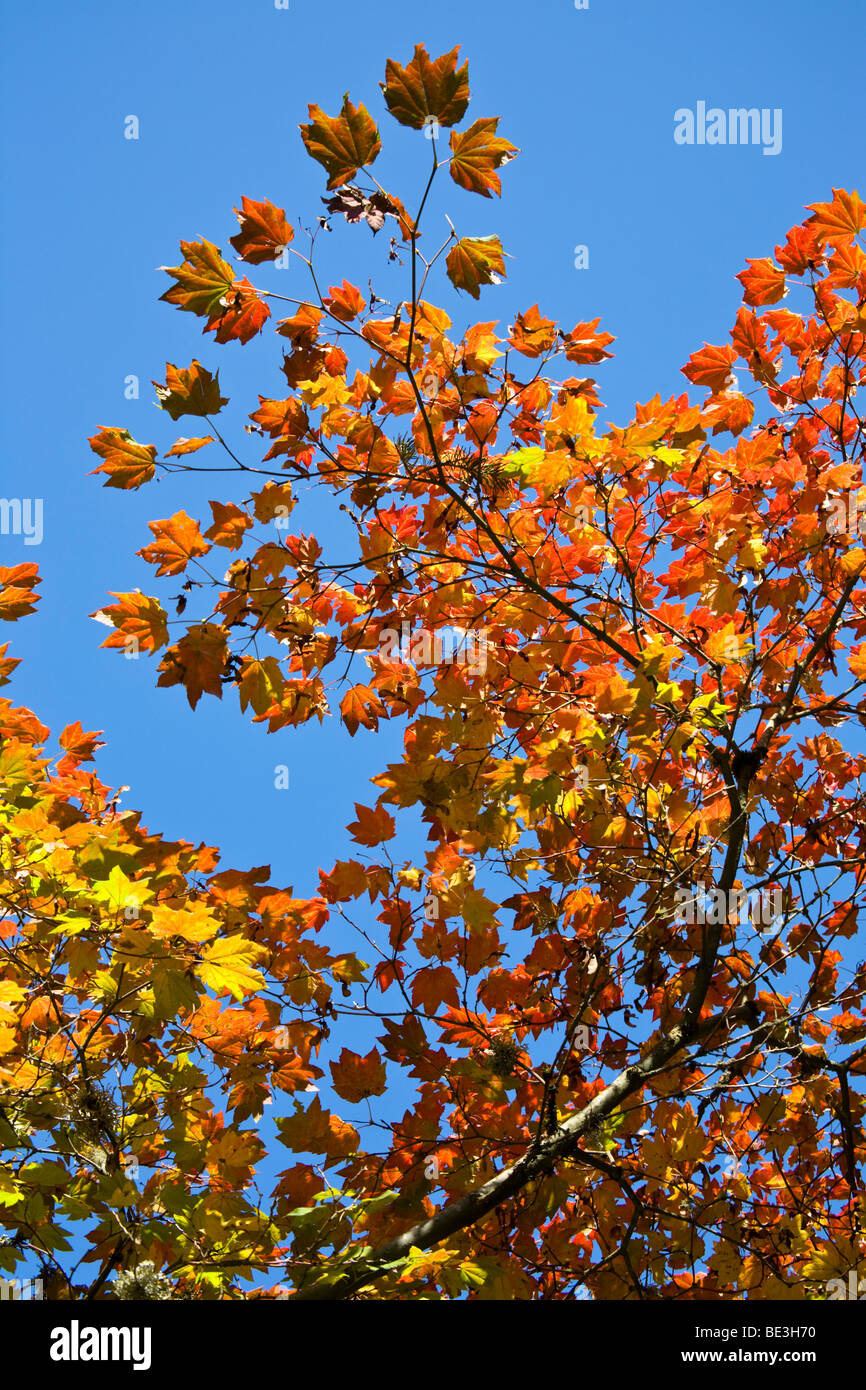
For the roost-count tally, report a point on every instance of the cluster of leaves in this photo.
(139, 987)
(626, 1104)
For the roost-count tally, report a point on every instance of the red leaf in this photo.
(345, 302)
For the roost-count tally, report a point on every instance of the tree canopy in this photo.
(621, 982)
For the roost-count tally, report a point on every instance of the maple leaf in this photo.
(190, 391)
(763, 282)
(372, 827)
(426, 90)
(274, 500)
(344, 301)
(533, 335)
(711, 367)
(178, 540)
(197, 662)
(802, 248)
(342, 144)
(360, 705)
(475, 261)
(476, 154)
(191, 923)
(348, 879)
(752, 554)
(80, 747)
(127, 463)
(135, 617)
(584, 344)
(357, 1077)
(17, 597)
(188, 446)
(841, 219)
(731, 412)
(7, 663)
(229, 524)
(465, 1028)
(261, 684)
(316, 1130)
(433, 987)
(227, 965)
(479, 347)
(240, 314)
(203, 279)
(264, 232)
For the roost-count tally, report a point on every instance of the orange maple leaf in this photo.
(360, 705)
(372, 826)
(264, 232)
(356, 1077)
(427, 91)
(342, 144)
(476, 154)
(178, 540)
(126, 463)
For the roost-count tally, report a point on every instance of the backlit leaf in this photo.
(229, 965)
(190, 391)
(427, 90)
(475, 261)
(476, 154)
(342, 144)
(264, 231)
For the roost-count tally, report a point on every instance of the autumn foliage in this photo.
(610, 1097)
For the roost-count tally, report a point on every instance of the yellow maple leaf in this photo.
(194, 923)
(753, 555)
(477, 911)
(852, 561)
(228, 964)
(324, 390)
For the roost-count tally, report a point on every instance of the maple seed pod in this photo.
(142, 1284)
(96, 1110)
(504, 1053)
